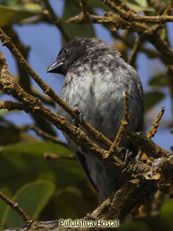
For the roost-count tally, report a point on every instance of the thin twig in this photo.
(130, 16)
(83, 5)
(132, 56)
(151, 133)
(49, 156)
(124, 6)
(56, 20)
(115, 146)
(114, 22)
(24, 79)
(169, 71)
(149, 52)
(44, 98)
(10, 106)
(16, 207)
(155, 125)
(43, 134)
(146, 145)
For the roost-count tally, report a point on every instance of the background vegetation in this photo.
(52, 188)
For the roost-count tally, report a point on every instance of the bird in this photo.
(95, 79)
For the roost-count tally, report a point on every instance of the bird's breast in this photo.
(97, 97)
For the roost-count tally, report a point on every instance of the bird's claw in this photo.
(128, 155)
(79, 114)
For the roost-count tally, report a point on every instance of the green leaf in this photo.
(32, 198)
(10, 15)
(136, 5)
(138, 8)
(159, 80)
(152, 98)
(98, 4)
(166, 212)
(32, 7)
(24, 162)
(66, 201)
(163, 33)
(3, 112)
(71, 9)
(142, 3)
(8, 2)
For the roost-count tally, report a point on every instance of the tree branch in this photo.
(33, 104)
(130, 16)
(16, 207)
(54, 19)
(49, 91)
(124, 123)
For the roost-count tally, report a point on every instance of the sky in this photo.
(45, 41)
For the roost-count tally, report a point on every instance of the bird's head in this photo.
(73, 51)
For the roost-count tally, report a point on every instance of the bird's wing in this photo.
(82, 160)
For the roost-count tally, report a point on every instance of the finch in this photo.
(96, 78)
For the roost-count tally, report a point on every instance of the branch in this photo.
(130, 16)
(149, 52)
(141, 179)
(136, 191)
(46, 135)
(44, 98)
(119, 204)
(40, 226)
(132, 194)
(83, 5)
(114, 22)
(16, 207)
(169, 71)
(49, 91)
(53, 18)
(132, 57)
(50, 156)
(155, 126)
(166, 53)
(23, 77)
(123, 5)
(146, 145)
(124, 123)
(43, 134)
(33, 104)
(10, 106)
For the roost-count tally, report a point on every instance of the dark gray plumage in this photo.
(95, 80)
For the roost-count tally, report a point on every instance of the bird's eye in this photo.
(65, 50)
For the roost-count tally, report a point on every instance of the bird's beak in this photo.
(56, 67)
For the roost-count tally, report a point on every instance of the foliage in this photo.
(57, 188)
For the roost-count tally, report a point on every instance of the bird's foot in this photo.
(128, 155)
(79, 114)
